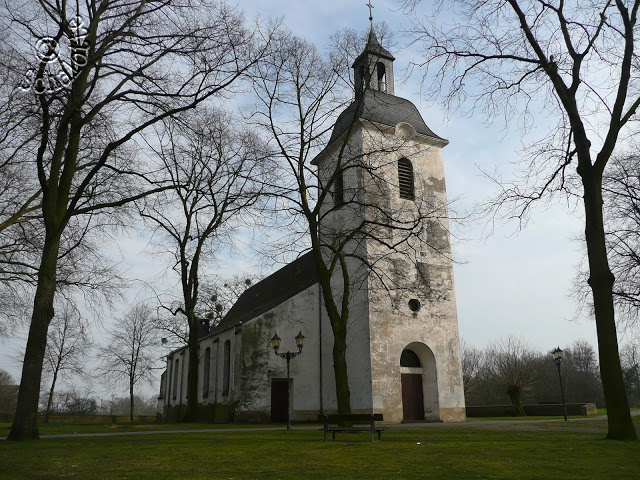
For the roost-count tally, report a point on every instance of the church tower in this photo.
(385, 165)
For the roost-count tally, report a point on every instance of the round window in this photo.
(414, 305)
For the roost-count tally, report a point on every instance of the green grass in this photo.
(568, 450)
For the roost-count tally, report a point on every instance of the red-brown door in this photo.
(412, 399)
(279, 399)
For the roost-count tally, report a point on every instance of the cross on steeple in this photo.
(370, 12)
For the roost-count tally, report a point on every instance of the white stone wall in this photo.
(432, 331)
(259, 364)
(381, 324)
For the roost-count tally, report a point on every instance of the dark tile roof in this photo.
(381, 108)
(272, 291)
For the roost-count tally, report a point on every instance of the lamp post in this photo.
(557, 357)
(275, 343)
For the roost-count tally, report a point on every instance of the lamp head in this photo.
(557, 355)
(300, 341)
(275, 342)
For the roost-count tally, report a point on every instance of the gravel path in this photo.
(525, 425)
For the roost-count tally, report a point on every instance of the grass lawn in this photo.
(534, 451)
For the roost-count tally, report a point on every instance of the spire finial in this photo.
(370, 12)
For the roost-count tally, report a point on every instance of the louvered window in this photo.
(405, 179)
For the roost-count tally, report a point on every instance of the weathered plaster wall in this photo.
(337, 221)
(423, 272)
(381, 324)
(259, 364)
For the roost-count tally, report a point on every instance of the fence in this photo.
(85, 419)
(532, 410)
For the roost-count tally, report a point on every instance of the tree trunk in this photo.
(25, 422)
(191, 414)
(516, 400)
(340, 371)
(339, 329)
(131, 402)
(601, 282)
(50, 401)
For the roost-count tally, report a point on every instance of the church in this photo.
(403, 347)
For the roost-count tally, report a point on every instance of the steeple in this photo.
(373, 68)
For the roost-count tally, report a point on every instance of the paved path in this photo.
(498, 424)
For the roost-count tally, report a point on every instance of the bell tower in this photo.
(404, 350)
(373, 69)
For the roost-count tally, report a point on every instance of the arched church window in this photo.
(409, 359)
(227, 368)
(405, 179)
(382, 77)
(207, 367)
(338, 187)
(175, 379)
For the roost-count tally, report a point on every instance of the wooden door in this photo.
(279, 399)
(412, 399)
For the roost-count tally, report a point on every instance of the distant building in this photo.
(403, 350)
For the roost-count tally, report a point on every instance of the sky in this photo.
(513, 282)
(509, 283)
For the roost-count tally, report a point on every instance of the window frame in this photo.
(406, 179)
(206, 372)
(226, 378)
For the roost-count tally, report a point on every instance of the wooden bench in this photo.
(363, 422)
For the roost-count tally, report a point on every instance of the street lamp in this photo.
(275, 343)
(557, 357)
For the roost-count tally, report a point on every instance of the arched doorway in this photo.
(411, 377)
(419, 383)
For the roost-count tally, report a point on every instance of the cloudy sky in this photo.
(512, 282)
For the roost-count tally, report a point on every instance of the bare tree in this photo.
(68, 347)
(575, 62)
(75, 401)
(121, 405)
(6, 378)
(630, 356)
(104, 73)
(214, 171)
(473, 367)
(510, 364)
(215, 299)
(222, 293)
(343, 205)
(20, 194)
(129, 356)
(621, 192)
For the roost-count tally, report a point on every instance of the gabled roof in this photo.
(271, 292)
